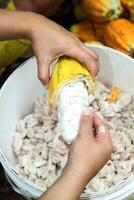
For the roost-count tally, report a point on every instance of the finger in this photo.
(95, 55)
(84, 57)
(92, 64)
(43, 71)
(102, 135)
(86, 124)
(90, 51)
(101, 132)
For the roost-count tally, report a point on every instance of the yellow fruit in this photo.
(114, 94)
(119, 34)
(84, 31)
(102, 10)
(99, 29)
(11, 50)
(67, 70)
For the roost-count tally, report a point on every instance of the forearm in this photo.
(16, 24)
(69, 186)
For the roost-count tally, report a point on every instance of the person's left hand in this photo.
(50, 41)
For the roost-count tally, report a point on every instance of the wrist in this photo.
(30, 25)
(79, 171)
(72, 181)
(76, 175)
(34, 26)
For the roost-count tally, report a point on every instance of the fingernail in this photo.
(101, 130)
(96, 57)
(91, 108)
(86, 111)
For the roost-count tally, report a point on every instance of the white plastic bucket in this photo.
(16, 99)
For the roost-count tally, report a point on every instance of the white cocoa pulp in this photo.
(73, 99)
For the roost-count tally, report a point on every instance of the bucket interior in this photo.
(16, 99)
(22, 88)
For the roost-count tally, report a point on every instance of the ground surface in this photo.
(6, 192)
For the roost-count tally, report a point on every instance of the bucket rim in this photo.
(128, 180)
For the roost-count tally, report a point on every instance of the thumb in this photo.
(100, 130)
(102, 136)
(43, 70)
(86, 124)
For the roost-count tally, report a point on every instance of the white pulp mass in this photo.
(73, 99)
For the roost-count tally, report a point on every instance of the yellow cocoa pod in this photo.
(119, 34)
(102, 10)
(84, 31)
(67, 70)
(99, 29)
(12, 50)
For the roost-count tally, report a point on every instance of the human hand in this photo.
(50, 41)
(91, 149)
(87, 155)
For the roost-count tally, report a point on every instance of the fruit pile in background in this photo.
(106, 22)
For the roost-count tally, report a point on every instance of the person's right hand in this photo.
(92, 148)
(87, 155)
